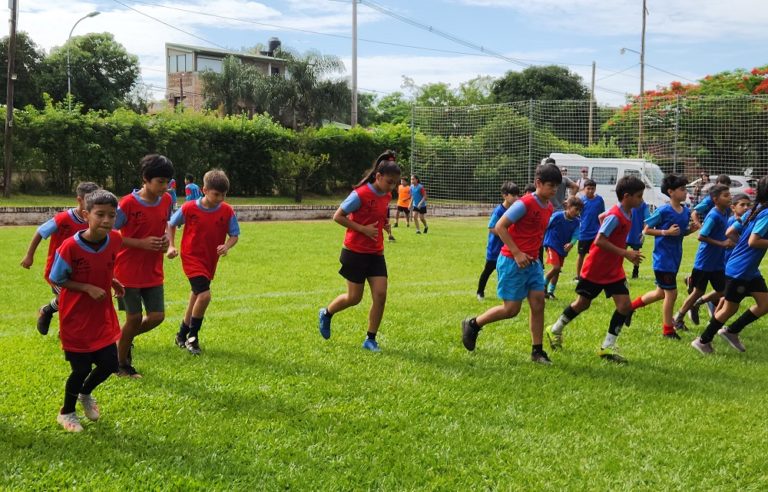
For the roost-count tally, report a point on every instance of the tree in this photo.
(476, 91)
(103, 72)
(394, 108)
(548, 83)
(29, 59)
(233, 89)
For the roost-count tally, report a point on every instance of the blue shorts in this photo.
(515, 283)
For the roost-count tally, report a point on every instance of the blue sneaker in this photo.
(371, 345)
(324, 323)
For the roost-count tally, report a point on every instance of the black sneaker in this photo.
(180, 341)
(540, 357)
(672, 336)
(44, 316)
(628, 320)
(635, 273)
(128, 371)
(192, 345)
(694, 314)
(680, 326)
(426, 228)
(469, 335)
(395, 225)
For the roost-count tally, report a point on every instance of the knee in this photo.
(204, 296)
(155, 319)
(354, 299)
(379, 297)
(582, 304)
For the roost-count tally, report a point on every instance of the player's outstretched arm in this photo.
(29, 258)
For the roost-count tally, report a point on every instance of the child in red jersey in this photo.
(603, 269)
(364, 214)
(88, 326)
(209, 221)
(142, 218)
(60, 227)
(520, 272)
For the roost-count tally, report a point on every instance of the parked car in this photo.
(739, 184)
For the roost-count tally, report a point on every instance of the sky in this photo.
(685, 39)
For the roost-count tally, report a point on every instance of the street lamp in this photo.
(69, 73)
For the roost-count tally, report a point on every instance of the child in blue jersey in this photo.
(700, 211)
(743, 278)
(509, 193)
(668, 224)
(191, 191)
(418, 203)
(562, 231)
(635, 237)
(709, 265)
(590, 220)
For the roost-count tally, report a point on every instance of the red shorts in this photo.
(554, 258)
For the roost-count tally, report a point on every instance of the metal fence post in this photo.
(530, 140)
(677, 133)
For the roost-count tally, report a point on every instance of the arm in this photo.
(635, 257)
(370, 230)
(96, 293)
(29, 258)
(522, 259)
(758, 242)
(222, 249)
(172, 251)
(728, 243)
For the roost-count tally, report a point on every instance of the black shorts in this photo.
(421, 210)
(700, 278)
(356, 267)
(104, 357)
(199, 284)
(590, 290)
(666, 280)
(405, 210)
(737, 289)
(635, 247)
(584, 245)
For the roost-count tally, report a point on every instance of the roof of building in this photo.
(218, 51)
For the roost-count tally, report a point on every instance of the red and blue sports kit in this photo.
(560, 231)
(529, 218)
(206, 229)
(63, 225)
(86, 325)
(137, 219)
(603, 267)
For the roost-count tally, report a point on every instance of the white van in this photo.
(606, 172)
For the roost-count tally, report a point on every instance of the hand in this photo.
(371, 230)
(27, 261)
(522, 259)
(96, 293)
(118, 288)
(673, 231)
(171, 253)
(634, 257)
(222, 250)
(693, 226)
(728, 243)
(154, 243)
(568, 247)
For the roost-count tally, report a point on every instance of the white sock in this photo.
(610, 340)
(559, 325)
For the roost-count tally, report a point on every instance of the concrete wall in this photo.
(251, 213)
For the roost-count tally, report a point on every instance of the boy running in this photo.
(635, 238)
(209, 221)
(509, 194)
(521, 276)
(594, 205)
(562, 231)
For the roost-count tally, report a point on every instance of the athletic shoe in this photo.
(324, 323)
(395, 225)
(70, 422)
(418, 232)
(391, 239)
(611, 354)
(469, 335)
(480, 297)
(193, 346)
(44, 316)
(672, 336)
(555, 339)
(180, 341)
(550, 295)
(732, 339)
(680, 326)
(541, 357)
(703, 348)
(371, 345)
(694, 314)
(128, 371)
(90, 407)
(426, 228)
(628, 320)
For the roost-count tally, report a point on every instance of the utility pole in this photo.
(591, 105)
(10, 78)
(181, 90)
(642, 87)
(353, 119)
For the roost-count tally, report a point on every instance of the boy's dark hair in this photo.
(574, 201)
(530, 188)
(589, 182)
(549, 160)
(628, 185)
(86, 187)
(716, 190)
(100, 197)
(739, 197)
(672, 182)
(216, 179)
(723, 179)
(549, 173)
(403, 178)
(510, 188)
(189, 177)
(156, 166)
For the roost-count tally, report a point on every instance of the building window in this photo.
(180, 63)
(213, 64)
(605, 175)
(275, 70)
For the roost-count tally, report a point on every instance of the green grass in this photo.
(270, 405)
(68, 201)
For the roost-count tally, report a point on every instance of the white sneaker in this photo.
(70, 422)
(90, 407)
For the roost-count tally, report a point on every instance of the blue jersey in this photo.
(668, 250)
(192, 192)
(704, 206)
(561, 231)
(417, 195)
(639, 216)
(736, 223)
(494, 242)
(590, 221)
(711, 258)
(744, 260)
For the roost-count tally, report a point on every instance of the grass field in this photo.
(270, 405)
(62, 201)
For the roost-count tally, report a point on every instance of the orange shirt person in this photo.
(404, 201)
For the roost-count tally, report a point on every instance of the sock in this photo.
(698, 302)
(616, 323)
(537, 348)
(474, 325)
(54, 304)
(194, 327)
(546, 286)
(328, 313)
(667, 329)
(610, 340)
(552, 288)
(746, 318)
(710, 330)
(637, 304)
(371, 335)
(184, 330)
(568, 315)
(635, 270)
(47, 309)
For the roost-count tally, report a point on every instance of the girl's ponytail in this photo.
(760, 199)
(384, 164)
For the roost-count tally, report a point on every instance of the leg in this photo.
(190, 307)
(509, 309)
(724, 312)
(416, 221)
(106, 364)
(536, 304)
(579, 263)
(670, 296)
(130, 329)
(350, 298)
(198, 313)
(688, 303)
(81, 368)
(379, 296)
(490, 266)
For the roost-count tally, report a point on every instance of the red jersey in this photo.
(86, 325)
(601, 266)
(205, 230)
(528, 231)
(369, 207)
(139, 268)
(60, 227)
